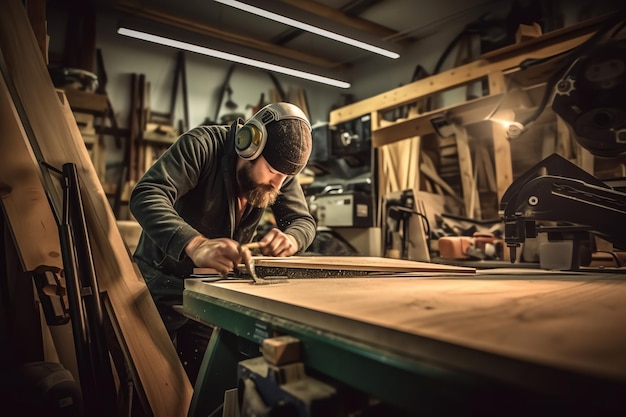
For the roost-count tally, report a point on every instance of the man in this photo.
(205, 197)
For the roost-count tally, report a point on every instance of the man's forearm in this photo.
(193, 244)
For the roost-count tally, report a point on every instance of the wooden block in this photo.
(526, 32)
(449, 141)
(87, 102)
(281, 350)
(85, 123)
(160, 133)
(231, 403)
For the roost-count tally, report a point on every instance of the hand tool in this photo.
(249, 263)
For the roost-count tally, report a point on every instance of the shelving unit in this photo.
(474, 163)
(91, 111)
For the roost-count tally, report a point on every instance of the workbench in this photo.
(498, 342)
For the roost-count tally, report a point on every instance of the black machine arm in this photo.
(557, 190)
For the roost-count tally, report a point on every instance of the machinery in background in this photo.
(342, 152)
(559, 198)
(407, 230)
(344, 209)
(591, 99)
(342, 198)
(556, 196)
(480, 245)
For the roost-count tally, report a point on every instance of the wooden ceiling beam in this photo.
(342, 18)
(207, 30)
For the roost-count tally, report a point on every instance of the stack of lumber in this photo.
(38, 126)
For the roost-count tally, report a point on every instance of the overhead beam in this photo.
(207, 30)
(342, 18)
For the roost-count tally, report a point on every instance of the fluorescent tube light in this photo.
(309, 28)
(231, 57)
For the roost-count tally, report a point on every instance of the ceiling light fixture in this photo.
(231, 57)
(309, 28)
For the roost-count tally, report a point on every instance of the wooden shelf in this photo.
(507, 91)
(87, 102)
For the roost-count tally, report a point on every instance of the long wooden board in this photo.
(365, 264)
(56, 139)
(357, 263)
(23, 196)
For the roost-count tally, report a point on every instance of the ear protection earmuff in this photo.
(251, 137)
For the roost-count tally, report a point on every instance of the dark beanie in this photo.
(288, 145)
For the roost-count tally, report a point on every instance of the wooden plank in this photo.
(357, 263)
(464, 113)
(338, 16)
(545, 46)
(502, 154)
(36, 10)
(430, 172)
(350, 263)
(401, 160)
(23, 196)
(83, 101)
(56, 135)
(468, 181)
(202, 28)
(488, 169)
(570, 322)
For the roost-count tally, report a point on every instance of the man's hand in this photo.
(220, 254)
(277, 243)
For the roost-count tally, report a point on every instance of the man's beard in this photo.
(258, 195)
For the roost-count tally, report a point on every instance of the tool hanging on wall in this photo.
(180, 77)
(102, 84)
(278, 94)
(223, 89)
(152, 132)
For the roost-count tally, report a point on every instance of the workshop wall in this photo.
(370, 76)
(376, 75)
(205, 75)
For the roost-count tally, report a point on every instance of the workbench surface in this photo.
(554, 333)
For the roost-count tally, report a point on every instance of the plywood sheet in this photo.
(574, 323)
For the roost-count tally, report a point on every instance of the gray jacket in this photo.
(191, 190)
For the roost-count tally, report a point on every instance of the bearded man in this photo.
(205, 196)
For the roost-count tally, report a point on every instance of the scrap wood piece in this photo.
(503, 165)
(427, 161)
(466, 170)
(433, 176)
(58, 140)
(487, 169)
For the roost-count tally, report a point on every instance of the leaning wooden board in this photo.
(483, 324)
(55, 136)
